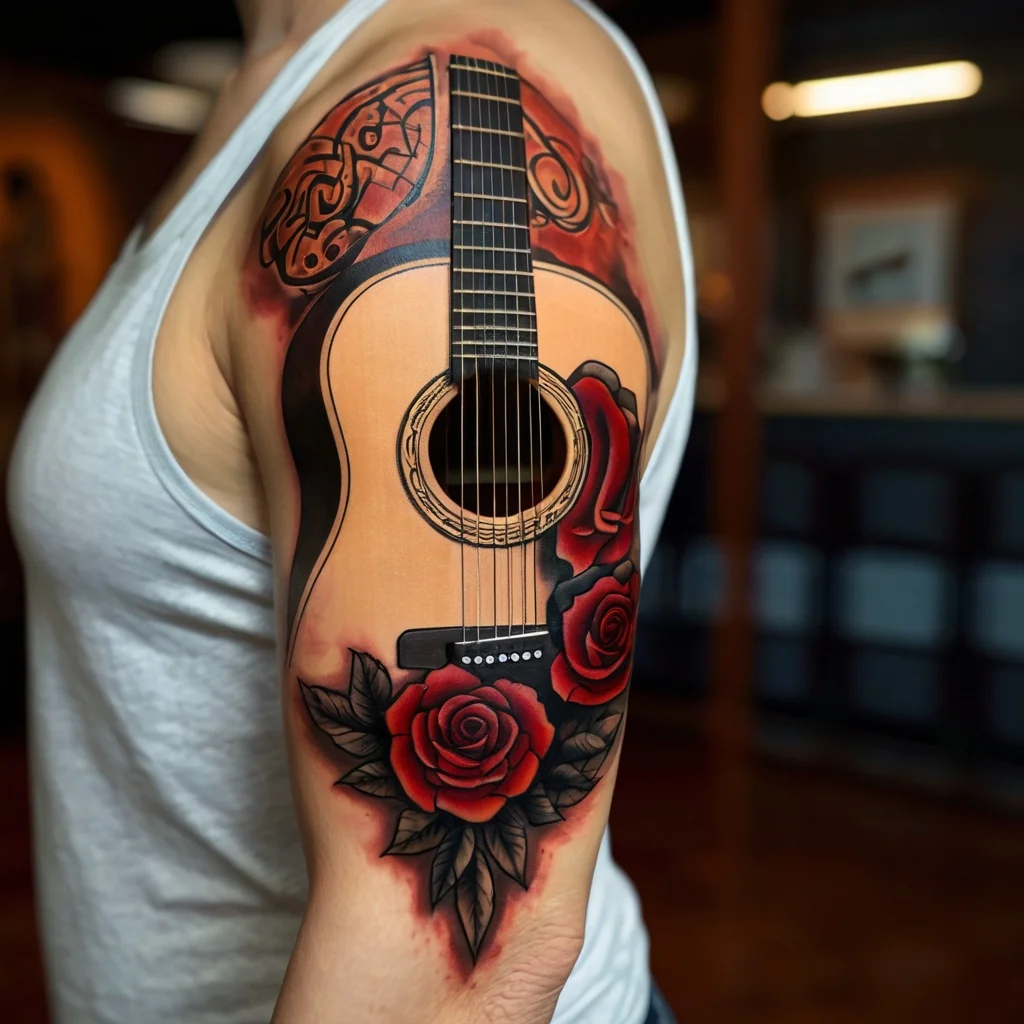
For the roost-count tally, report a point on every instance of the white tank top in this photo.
(170, 878)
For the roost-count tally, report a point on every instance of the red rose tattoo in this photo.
(461, 746)
(599, 528)
(598, 620)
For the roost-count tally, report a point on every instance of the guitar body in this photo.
(390, 567)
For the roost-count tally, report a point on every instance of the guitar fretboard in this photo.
(493, 319)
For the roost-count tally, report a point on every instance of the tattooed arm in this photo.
(448, 368)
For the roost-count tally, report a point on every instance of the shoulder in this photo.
(360, 165)
(572, 66)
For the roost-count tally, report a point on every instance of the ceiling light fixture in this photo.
(171, 108)
(897, 87)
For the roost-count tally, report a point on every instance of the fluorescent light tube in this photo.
(898, 87)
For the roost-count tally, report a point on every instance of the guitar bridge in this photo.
(488, 649)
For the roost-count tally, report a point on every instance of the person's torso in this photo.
(170, 873)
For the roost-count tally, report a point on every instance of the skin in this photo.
(368, 949)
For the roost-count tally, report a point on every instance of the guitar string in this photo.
(493, 159)
(492, 330)
(505, 287)
(535, 498)
(532, 381)
(505, 122)
(500, 218)
(462, 351)
(476, 377)
(519, 383)
(537, 485)
(540, 453)
(491, 334)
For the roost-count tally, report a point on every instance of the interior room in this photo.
(821, 793)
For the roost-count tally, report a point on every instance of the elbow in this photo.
(532, 972)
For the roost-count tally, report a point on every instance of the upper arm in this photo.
(448, 393)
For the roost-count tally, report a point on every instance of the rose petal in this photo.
(599, 694)
(399, 716)
(614, 632)
(596, 518)
(519, 749)
(471, 731)
(421, 740)
(474, 780)
(605, 418)
(521, 777)
(491, 696)
(612, 618)
(577, 622)
(451, 762)
(574, 688)
(485, 714)
(618, 546)
(457, 759)
(529, 714)
(433, 729)
(479, 749)
(444, 683)
(410, 773)
(508, 730)
(451, 706)
(563, 679)
(602, 661)
(598, 656)
(468, 807)
(442, 741)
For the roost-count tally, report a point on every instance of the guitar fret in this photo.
(483, 343)
(496, 273)
(492, 248)
(485, 163)
(490, 224)
(497, 199)
(503, 312)
(490, 131)
(491, 291)
(484, 96)
(504, 356)
(488, 334)
(485, 71)
(493, 327)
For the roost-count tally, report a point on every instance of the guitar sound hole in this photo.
(496, 448)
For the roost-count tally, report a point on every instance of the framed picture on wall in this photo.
(885, 270)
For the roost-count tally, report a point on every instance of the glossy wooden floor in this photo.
(787, 896)
(777, 896)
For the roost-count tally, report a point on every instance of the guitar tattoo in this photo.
(469, 506)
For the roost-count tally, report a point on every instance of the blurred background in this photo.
(821, 794)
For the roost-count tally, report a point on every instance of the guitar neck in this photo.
(493, 324)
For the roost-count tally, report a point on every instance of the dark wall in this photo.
(980, 141)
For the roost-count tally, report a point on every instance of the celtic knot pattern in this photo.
(365, 160)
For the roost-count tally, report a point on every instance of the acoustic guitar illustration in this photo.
(488, 437)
